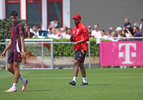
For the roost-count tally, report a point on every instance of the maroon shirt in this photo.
(16, 30)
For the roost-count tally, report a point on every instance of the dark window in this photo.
(54, 10)
(12, 5)
(34, 13)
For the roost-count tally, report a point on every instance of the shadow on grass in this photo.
(38, 90)
(98, 84)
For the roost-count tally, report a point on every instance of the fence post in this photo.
(52, 64)
(89, 54)
(6, 55)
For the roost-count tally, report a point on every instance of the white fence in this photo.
(42, 41)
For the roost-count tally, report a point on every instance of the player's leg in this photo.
(76, 69)
(82, 69)
(16, 71)
(10, 68)
(18, 60)
(24, 81)
(76, 66)
(83, 73)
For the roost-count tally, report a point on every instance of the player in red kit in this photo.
(16, 46)
(79, 37)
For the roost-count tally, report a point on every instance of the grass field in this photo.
(104, 84)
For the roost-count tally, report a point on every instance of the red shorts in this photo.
(14, 57)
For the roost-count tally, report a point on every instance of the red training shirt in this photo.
(80, 32)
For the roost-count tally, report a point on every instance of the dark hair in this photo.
(68, 29)
(102, 30)
(97, 25)
(14, 13)
(136, 27)
(131, 30)
(141, 19)
(56, 19)
(89, 32)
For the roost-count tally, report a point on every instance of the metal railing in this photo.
(42, 41)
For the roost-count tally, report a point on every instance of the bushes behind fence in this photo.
(5, 26)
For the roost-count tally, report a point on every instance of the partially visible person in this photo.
(111, 29)
(54, 23)
(63, 32)
(103, 34)
(59, 34)
(123, 34)
(127, 24)
(108, 34)
(141, 26)
(89, 28)
(136, 24)
(65, 27)
(35, 31)
(119, 32)
(53, 33)
(79, 37)
(28, 33)
(69, 33)
(96, 33)
(112, 37)
(16, 46)
(49, 30)
(136, 32)
(90, 36)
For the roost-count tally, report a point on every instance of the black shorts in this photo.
(14, 57)
(80, 55)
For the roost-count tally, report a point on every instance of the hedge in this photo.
(5, 26)
(68, 49)
(62, 49)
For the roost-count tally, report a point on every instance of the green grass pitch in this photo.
(104, 84)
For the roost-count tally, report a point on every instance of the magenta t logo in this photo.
(127, 52)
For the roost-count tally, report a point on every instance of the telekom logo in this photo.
(127, 52)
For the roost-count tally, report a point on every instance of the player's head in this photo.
(77, 18)
(14, 16)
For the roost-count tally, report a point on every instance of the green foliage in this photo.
(68, 49)
(5, 26)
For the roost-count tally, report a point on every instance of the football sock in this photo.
(14, 85)
(74, 79)
(84, 80)
(22, 79)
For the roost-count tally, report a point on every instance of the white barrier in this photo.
(33, 41)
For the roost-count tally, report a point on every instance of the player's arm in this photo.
(8, 47)
(129, 33)
(85, 37)
(22, 46)
(21, 35)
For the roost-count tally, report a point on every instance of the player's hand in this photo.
(72, 35)
(3, 54)
(71, 38)
(23, 55)
(74, 43)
